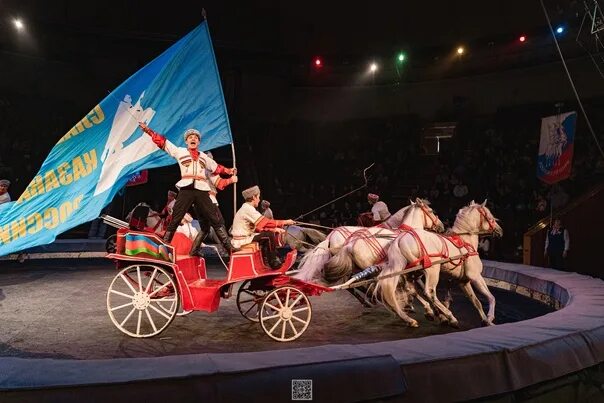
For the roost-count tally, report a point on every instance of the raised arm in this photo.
(159, 140)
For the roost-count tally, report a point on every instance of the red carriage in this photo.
(156, 280)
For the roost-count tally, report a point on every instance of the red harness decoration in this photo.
(372, 242)
(425, 257)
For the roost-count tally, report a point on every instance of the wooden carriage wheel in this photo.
(249, 300)
(142, 300)
(285, 313)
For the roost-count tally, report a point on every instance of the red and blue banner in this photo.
(139, 178)
(556, 146)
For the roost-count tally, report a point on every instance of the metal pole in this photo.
(570, 79)
(234, 184)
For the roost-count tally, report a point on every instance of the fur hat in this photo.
(4, 182)
(250, 192)
(190, 132)
(373, 197)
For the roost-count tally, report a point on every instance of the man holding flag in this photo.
(194, 186)
(179, 89)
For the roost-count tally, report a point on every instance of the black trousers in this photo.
(268, 242)
(556, 260)
(204, 207)
(204, 224)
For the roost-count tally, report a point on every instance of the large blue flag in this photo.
(180, 89)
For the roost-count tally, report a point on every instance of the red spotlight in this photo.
(522, 38)
(318, 62)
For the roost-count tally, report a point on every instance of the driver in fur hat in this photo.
(251, 226)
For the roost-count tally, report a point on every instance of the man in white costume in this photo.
(196, 170)
(379, 209)
(251, 226)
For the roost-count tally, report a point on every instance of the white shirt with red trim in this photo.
(192, 171)
(244, 224)
(380, 211)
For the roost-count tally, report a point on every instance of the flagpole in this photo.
(205, 18)
(234, 184)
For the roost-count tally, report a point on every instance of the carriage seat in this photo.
(249, 248)
(138, 220)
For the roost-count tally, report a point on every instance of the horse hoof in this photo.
(488, 323)
(454, 323)
(413, 323)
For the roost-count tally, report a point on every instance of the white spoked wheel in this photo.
(142, 300)
(249, 300)
(285, 313)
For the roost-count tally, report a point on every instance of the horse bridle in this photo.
(485, 217)
(428, 213)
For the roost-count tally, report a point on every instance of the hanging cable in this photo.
(570, 79)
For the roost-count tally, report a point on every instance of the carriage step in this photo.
(206, 294)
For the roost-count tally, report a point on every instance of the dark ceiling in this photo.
(297, 28)
(282, 37)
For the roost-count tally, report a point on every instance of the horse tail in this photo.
(340, 265)
(312, 262)
(315, 236)
(387, 288)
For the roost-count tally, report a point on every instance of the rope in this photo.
(313, 225)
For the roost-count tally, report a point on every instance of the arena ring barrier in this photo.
(480, 362)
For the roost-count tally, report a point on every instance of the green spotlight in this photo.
(400, 57)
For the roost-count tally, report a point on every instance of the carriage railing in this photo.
(114, 222)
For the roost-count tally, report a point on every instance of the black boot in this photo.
(168, 236)
(196, 249)
(225, 240)
(275, 262)
(271, 258)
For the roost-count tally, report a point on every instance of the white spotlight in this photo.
(373, 67)
(18, 24)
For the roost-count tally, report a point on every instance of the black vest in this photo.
(555, 242)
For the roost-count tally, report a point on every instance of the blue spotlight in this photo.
(560, 29)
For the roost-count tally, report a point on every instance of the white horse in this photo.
(302, 238)
(419, 247)
(417, 215)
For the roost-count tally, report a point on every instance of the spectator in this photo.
(557, 244)
(4, 196)
(265, 209)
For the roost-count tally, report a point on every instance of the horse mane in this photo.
(463, 219)
(424, 201)
(400, 215)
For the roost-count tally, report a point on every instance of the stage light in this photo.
(560, 29)
(18, 24)
(318, 62)
(522, 38)
(460, 50)
(401, 57)
(373, 67)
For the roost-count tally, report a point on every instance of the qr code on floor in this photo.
(301, 389)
